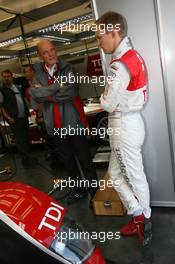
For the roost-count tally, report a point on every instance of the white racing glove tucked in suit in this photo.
(124, 97)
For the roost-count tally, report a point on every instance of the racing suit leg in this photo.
(126, 166)
(120, 184)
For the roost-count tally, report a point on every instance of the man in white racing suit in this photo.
(123, 98)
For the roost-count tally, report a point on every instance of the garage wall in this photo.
(166, 23)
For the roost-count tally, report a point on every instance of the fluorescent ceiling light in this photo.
(5, 56)
(78, 51)
(73, 21)
(83, 50)
(67, 43)
(93, 48)
(88, 37)
(10, 41)
(56, 38)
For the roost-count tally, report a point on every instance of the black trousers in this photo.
(20, 129)
(49, 140)
(77, 146)
(2, 143)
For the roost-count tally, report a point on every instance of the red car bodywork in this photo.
(37, 217)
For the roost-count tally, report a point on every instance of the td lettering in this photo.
(50, 214)
(96, 62)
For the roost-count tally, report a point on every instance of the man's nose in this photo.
(50, 53)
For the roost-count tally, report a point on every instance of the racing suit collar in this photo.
(123, 47)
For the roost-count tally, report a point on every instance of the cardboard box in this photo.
(107, 201)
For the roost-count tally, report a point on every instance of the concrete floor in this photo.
(122, 251)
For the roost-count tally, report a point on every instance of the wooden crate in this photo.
(107, 201)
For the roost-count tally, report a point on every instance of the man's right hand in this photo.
(36, 85)
(10, 120)
(39, 120)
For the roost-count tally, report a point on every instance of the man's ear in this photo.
(116, 35)
(113, 32)
(39, 55)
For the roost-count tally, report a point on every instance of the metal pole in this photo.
(24, 38)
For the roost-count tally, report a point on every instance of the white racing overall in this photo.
(124, 97)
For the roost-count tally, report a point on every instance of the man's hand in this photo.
(101, 99)
(105, 92)
(37, 85)
(10, 120)
(34, 84)
(39, 120)
(103, 95)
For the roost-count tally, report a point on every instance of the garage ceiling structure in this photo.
(24, 23)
